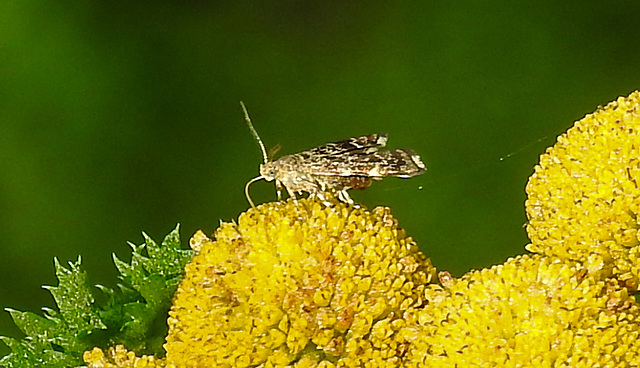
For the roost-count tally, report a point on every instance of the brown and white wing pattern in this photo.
(361, 157)
(367, 143)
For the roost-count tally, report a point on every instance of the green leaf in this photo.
(33, 325)
(133, 315)
(57, 339)
(33, 354)
(73, 298)
(139, 311)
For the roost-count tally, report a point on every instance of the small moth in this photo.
(334, 168)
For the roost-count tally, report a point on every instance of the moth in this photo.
(334, 168)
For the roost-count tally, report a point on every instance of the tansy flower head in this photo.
(584, 196)
(531, 311)
(298, 284)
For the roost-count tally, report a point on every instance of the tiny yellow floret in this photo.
(119, 357)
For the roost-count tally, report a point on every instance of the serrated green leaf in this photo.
(32, 354)
(173, 257)
(33, 325)
(134, 314)
(168, 259)
(130, 274)
(59, 337)
(147, 285)
(73, 297)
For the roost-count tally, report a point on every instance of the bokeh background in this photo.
(122, 117)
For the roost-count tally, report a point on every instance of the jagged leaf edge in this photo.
(129, 297)
(146, 288)
(56, 339)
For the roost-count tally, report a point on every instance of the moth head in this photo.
(268, 171)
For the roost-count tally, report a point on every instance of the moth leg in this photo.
(322, 197)
(279, 190)
(320, 184)
(344, 197)
(291, 193)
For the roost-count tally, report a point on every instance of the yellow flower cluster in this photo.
(584, 196)
(119, 357)
(298, 284)
(531, 311)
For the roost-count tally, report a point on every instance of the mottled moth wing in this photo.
(367, 143)
(359, 156)
(400, 162)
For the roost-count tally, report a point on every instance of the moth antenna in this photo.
(265, 156)
(246, 189)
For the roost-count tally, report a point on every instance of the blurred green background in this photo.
(117, 118)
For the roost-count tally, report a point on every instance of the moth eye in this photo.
(268, 170)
